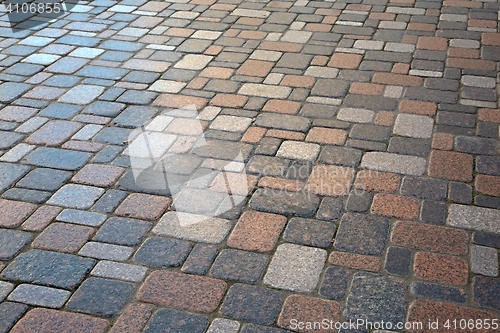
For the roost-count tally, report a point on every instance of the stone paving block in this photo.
(252, 303)
(9, 139)
(45, 179)
(403, 164)
(441, 268)
(473, 218)
(76, 196)
(10, 173)
(106, 251)
(101, 297)
(295, 267)
(14, 212)
(10, 313)
(484, 260)
(356, 115)
(133, 205)
(278, 202)
(81, 217)
(256, 231)
(193, 227)
(119, 271)
(308, 309)
(200, 259)
(239, 266)
(362, 234)
(133, 318)
(186, 292)
(343, 156)
(163, 252)
(298, 150)
(57, 158)
(335, 283)
(63, 237)
(374, 297)
(97, 175)
(12, 242)
(48, 268)
(309, 232)
(414, 126)
(5, 289)
(439, 292)
(39, 296)
(330, 180)
(221, 325)
(395, 206)
(123, 231)
(485, 291)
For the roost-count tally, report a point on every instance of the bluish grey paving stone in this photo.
(116, 55)
(22, 194)
(67, 65)
(251, 328)
(10, 173)
(48, 268)
(62, 81)
(11, 90)
(487, 201)
(335, 283)
(113, 135)
(143, 77)
(107, 154)
(109, 201)
(105, 109)
(167, 320)
(12, 241)
(39, 296)
(119, 271)
(433, 212)
(31, 125)
(23, 69)
(200, 259)
(16, 153)
(123, 231)
(135, 116)
(137, 97)
(82, 94)
(439, 292)
(280, 121)
(121, 46)
(56, 158)
(486, 291)
(330, 87)
(5, 289)
(374, 297)
(309, 232)
(331, 209)
(60, 111)
(111, 94)
(298, 204)
(54, 133)
(10, 313)
(9, 139)
(44, 179)
(239, 266)
(76, 196)
(424, 187)
(79, 41)
(106, 251)
(362, 234)
(101, 297)
(252, 303)
(163, 252)
(475, 145)
(147, 182)
(398, 261)
(207, 201)
(81, 217)
(219, 149)
(100, 72)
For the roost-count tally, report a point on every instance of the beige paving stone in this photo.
(298, 150)
(194, 61)
(264, 90)
(231, 123)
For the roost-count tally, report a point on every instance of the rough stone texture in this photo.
(163, 252)
(39, 296)
(375, 297)
(12, 242)
(165, 320)
(475, 218)
(239, 266)
(309, 232)
(404, 164)
(484, 260)
(441, 268)
(295, 267)
(183, 291)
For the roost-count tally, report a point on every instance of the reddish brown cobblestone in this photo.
(441, 268)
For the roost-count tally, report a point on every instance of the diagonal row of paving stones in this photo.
(361, 137)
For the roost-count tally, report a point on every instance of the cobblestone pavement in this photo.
(368, 137)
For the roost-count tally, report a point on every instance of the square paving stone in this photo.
(309, 232)
(486, 291)
(251, 303)
(123, 231)
(12, 90)
(48, 268)
(200, 259)
(335, 283)
(374, 297)
(10, 173)
(105, 109)
(76, 196)
(239, 266)
(21, 194)
(167, 320)
(44, 179)
(60, 111)
(295, 267)
(362, 234)
(63, 237)
(5, 289)
(57, 158)
(297, 204)
(101, 297)
(163, 252)
(54, 133)
(133, 206)
(12, 242)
